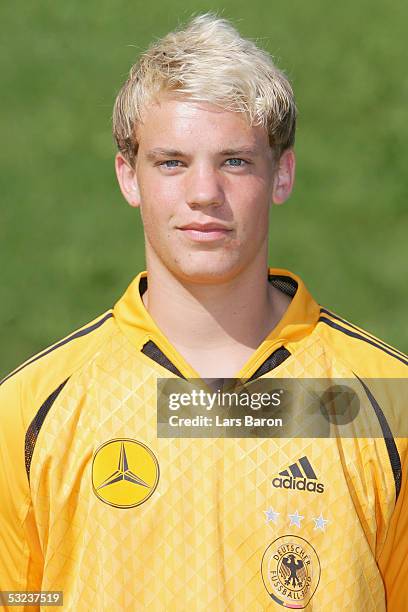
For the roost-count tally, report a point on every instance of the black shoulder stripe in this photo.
(384, 344)
(388, 438)
(348, 332)
(36, 424)
(78, 334)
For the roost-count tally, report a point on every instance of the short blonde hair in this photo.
(207, 61)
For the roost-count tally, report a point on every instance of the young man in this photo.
(95, 503)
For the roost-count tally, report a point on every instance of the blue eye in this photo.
(235, 162)
(171, 163)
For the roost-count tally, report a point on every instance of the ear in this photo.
(127, 180)
(284, 177)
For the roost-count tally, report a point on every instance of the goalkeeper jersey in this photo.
(95, 504)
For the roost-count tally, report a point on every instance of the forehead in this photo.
(195, 124)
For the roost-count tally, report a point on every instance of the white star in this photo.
(271, 515)
(295, 519)
(320, 522)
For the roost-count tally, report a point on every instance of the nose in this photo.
(204, 187)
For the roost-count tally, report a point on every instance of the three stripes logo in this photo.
(299, 476)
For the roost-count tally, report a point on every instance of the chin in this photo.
(206, 273)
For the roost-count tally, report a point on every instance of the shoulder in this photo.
(29, 385)
(365, 354)
(26, 396)
(381, 376)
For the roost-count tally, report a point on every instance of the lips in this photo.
(205, 227)
(205, 232)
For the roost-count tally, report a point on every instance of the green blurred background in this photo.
(69, 242)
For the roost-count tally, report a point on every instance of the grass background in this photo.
(69, 244)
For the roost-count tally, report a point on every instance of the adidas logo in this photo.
(299, 476)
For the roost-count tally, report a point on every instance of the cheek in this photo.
(156, 209)
(255, 226)
(252, 213)
(254, 187)
(159, 197)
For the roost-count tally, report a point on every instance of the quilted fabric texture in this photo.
(197, 543)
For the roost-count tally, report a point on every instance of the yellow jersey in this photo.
(95, 504)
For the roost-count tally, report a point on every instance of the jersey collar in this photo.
(298, 322)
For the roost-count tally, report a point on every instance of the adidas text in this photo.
(299, 484)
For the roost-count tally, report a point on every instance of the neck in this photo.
(200, 317)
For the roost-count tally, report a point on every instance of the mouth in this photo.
(205, 232)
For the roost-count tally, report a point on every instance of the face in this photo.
(204, 180)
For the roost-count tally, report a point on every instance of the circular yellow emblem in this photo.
(125, 472)
(291, 571)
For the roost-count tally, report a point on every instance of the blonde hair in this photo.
(207, 61)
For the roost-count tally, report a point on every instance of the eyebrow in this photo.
(161, 152)
(239, 151)
(155, 153)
